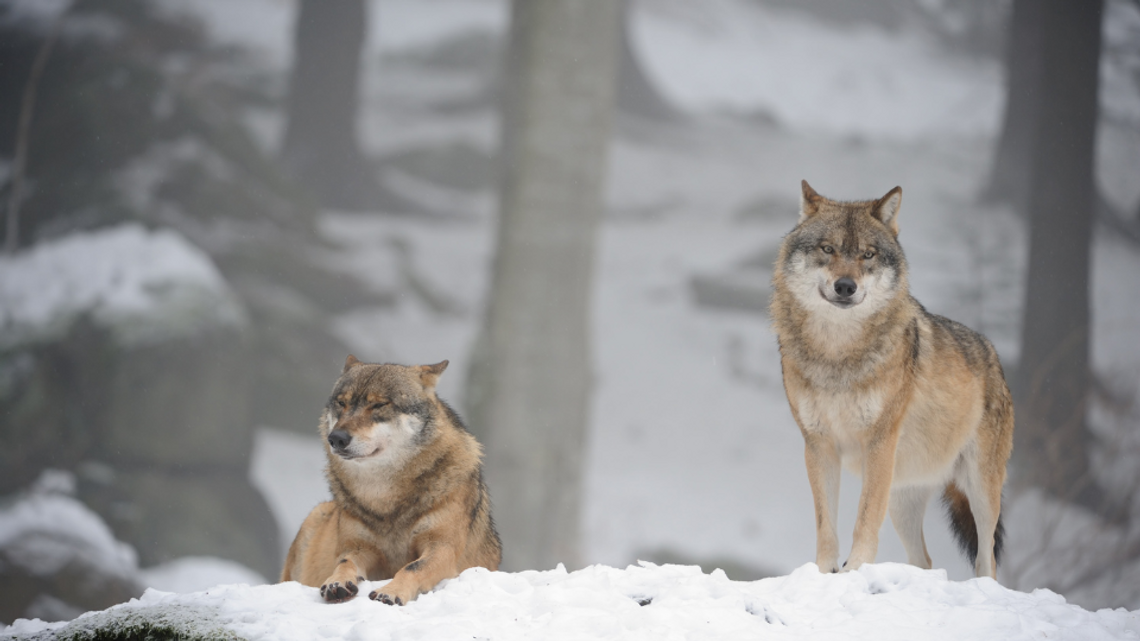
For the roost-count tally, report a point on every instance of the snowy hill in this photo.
(884, 601)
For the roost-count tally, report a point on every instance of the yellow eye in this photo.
(868, 255)
(828, 249)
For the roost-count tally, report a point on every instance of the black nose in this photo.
(845, 287)
(339, 439)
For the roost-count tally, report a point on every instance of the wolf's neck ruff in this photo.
(389, 500)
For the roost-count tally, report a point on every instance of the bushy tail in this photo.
(962, 523)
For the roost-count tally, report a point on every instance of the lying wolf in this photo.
(409, 502)
(910, 400)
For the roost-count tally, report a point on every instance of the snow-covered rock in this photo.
(144, 286)
(884, 601)
(57, 557)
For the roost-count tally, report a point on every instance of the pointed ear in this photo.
(349, 363)
(886, 209)
(429, 374)
(809, 201)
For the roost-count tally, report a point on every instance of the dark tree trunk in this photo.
(320, 147)
(1054, 374)
(1009, 176)
(528, 393)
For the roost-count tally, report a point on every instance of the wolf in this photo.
(911, 401)
(409, 502)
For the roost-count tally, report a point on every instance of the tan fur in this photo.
(911, 401)
(409, 502)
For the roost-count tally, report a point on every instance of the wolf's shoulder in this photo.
(973, 345)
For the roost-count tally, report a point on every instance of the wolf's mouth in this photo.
(841, 303)
(358, 457)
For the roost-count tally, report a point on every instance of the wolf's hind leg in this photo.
(907, 508)
(983, 490)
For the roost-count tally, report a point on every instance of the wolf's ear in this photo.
(886, 209)
(429, 374)
(349, 363)
(809, 201)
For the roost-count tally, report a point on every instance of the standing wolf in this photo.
(912, 401)
(409, 503)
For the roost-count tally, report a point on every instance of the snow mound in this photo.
(145, 286)
(883, 601)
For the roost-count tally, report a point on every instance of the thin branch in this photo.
(23, 132)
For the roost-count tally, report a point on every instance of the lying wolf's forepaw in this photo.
(384, 598)
(337, 593)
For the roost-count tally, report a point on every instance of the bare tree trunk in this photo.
(1054, 375)
(529, 390)
(1009, 176)
(320, 147)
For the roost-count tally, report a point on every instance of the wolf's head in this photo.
(844, 257)
(377, 414)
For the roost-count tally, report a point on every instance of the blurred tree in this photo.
(320, 147)
(1054, 374)
(1009, 176)
(529, 387)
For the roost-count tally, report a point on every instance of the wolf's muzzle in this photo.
(339, 440)
(845, 287)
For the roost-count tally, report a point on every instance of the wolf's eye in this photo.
(375, 406)
(868, 255)
(828, 249)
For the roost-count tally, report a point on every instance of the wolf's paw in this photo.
(827, 566)
(336, 593)
(376, 595)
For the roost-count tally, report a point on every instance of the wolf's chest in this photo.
(846, 417)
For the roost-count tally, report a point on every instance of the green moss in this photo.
(155, 623)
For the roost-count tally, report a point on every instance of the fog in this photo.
(209, 204)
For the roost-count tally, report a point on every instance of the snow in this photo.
(289, 470)
(725, 55)
(144, 285)
(46, 529)
(646, 601)
(197, 573)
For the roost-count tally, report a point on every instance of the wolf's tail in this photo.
(962, 523)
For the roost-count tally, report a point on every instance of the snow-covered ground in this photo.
(645, 601)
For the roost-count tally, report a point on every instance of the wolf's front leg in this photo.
(822, 458)
(351, 568)
(436, 563)
(878, 472)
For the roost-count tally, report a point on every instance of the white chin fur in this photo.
(809, 290)
(384, 443)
